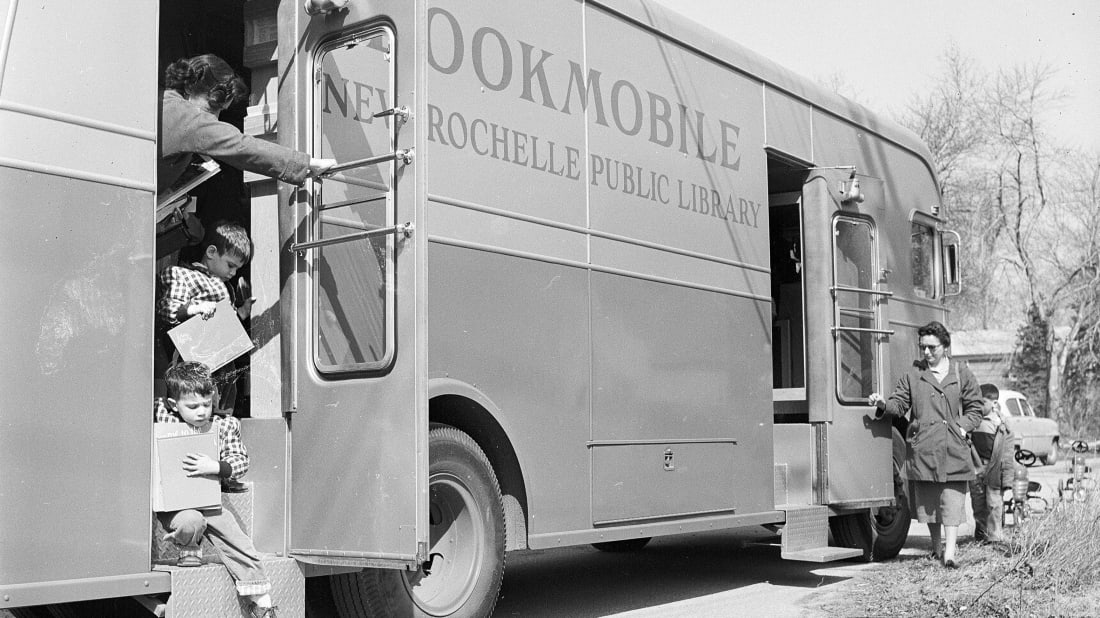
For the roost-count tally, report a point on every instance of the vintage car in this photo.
(1034, 433)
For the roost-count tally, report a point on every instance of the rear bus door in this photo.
(358, 422)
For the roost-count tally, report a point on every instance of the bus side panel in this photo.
(75, 413)
(505, 168)
(688, 367)
(505, 120)
(788, 124)
(675, 157)
(517, 329)
(681, 315)
(77, 158)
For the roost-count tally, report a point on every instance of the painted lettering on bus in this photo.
(489, 139)
(508, 144)
(632, 110)
(339, 91)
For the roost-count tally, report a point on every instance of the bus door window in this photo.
(353, 207)
(855, 308)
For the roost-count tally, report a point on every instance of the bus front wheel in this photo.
(465, 564)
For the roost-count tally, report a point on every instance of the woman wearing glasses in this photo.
(944, 403)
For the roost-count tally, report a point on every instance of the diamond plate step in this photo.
(208, 591)
(805, 537)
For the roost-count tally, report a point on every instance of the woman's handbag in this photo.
(975, 459)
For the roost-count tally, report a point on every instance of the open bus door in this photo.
(847, 278)
(358, 417)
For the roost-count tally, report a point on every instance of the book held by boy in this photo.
(214, 342)
(173, 490)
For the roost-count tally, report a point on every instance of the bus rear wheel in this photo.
(881, 532)
(465, 566)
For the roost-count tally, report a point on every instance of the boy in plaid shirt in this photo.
(190, 401)
(195, 290)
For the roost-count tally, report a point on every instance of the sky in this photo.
(888, 51)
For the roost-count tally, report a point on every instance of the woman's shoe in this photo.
(950, 563)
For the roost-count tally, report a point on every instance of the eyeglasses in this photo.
(928, 347)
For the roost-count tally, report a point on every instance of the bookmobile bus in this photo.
(586, 273)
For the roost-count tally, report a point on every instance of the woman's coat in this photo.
(940, 414)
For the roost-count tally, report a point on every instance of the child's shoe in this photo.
(263, 612)
(190, 558)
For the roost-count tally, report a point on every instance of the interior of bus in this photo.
(785, 180)
(219, 27)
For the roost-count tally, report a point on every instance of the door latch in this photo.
(400, 114)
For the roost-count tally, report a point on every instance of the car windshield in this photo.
(1013, 407)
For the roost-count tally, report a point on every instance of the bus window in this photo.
(923, 242)
(855, 309)
(353, 269)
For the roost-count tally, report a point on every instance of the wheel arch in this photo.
(464, 407)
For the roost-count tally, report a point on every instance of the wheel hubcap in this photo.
(457, 543)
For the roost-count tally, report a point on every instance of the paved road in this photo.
(711, 574)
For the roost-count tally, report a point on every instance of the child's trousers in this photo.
(988, 504)
(240, 557)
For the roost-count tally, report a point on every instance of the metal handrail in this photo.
(405, 229)
(405, 156)
(843, 288)
(853, 329)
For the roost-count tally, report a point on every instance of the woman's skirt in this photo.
(938, 503)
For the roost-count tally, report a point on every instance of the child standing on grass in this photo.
(994, 446)
(190, 401)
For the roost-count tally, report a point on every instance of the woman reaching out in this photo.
(944, 404)
(196, 91)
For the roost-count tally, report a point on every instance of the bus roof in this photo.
(662, 21)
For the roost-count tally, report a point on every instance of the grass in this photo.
(1050, 566)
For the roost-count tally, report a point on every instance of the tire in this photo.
(30, 612)
(880, 533)
(1051, 457)
(623, 546)
(466, 544)
(319, 603)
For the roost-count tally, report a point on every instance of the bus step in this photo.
(823, 554)
(805, 536)
(208, 591)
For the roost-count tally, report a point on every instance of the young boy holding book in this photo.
(185, 291)
(190, 401)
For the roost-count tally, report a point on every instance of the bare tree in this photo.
(954, 122)
(1029, 213)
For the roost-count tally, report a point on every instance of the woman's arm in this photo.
(898, 403)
